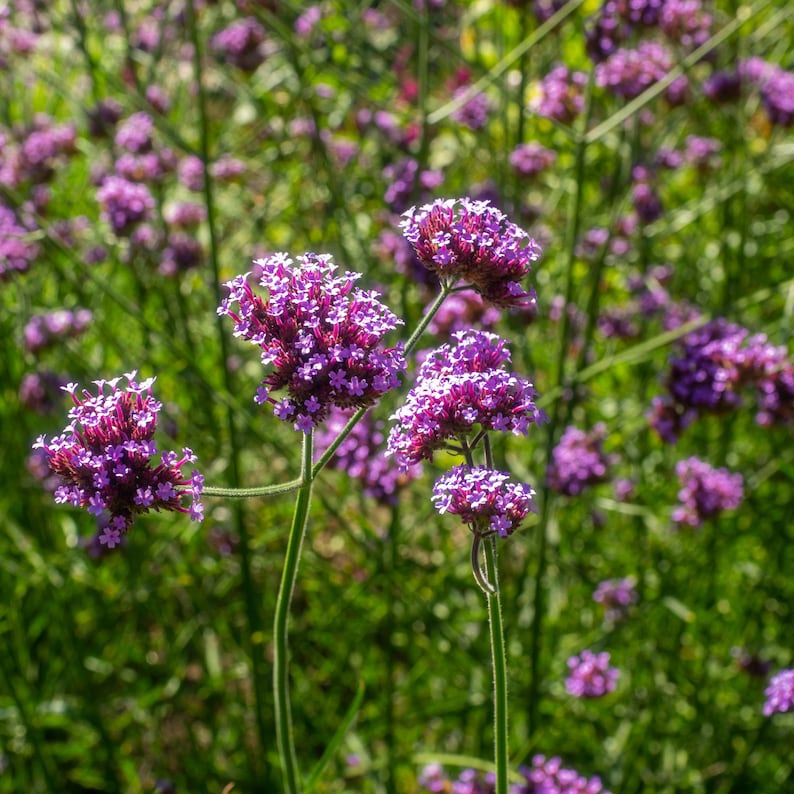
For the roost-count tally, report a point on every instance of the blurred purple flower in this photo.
(780, 693)
(616, 595)
(530, 159)
(560, 95)
(240, 44)
(590, 675)
(362, 455)
(706, 492)
(124, 204)
(578, 461)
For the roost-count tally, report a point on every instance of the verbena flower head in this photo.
(485, 499)
(706, 492)
(472, 241)
(104, 458)
(780, 693)
(578, 461)
(320, 334)
(590, 675)
(460, 387)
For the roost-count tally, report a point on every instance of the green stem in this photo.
(284, 734)
(499, 669)
(251, 493)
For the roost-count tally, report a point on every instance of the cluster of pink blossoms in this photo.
(471, 241)
(462, 388)
(321, 336)
(103, 458)
(486, 500)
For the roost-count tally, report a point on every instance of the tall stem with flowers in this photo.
(321, 339)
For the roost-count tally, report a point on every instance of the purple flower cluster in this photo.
(473, 113)
(590, 675)
(42, 331)
(124, 204)
(462, 239)
(629, 72)
(240, 44)
(530, 159)
(321, 336)
(17, 249)
(134, 134)
(460, 387)
(616, 595)
(560, 95)
(578, 461)
(486, 500)
(404, 177)
(714, 365)
(362, 455)
(38, 391)
(685, 22)
(780, 693)
(681, 21)
(545, 776)
(706, 492)
(103, 458)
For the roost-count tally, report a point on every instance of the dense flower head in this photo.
(460, 387)
(705, 492)
(462, 239)
(321, 335)
(362, 455)
(560, 95)
(590, 675)
(44, 146)
(124, 204)
(104, 458)
(485, 499)
(780, 693)
(616, 595)
(578, 461)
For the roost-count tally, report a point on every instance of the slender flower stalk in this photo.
(284, 733)
(499, 668)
